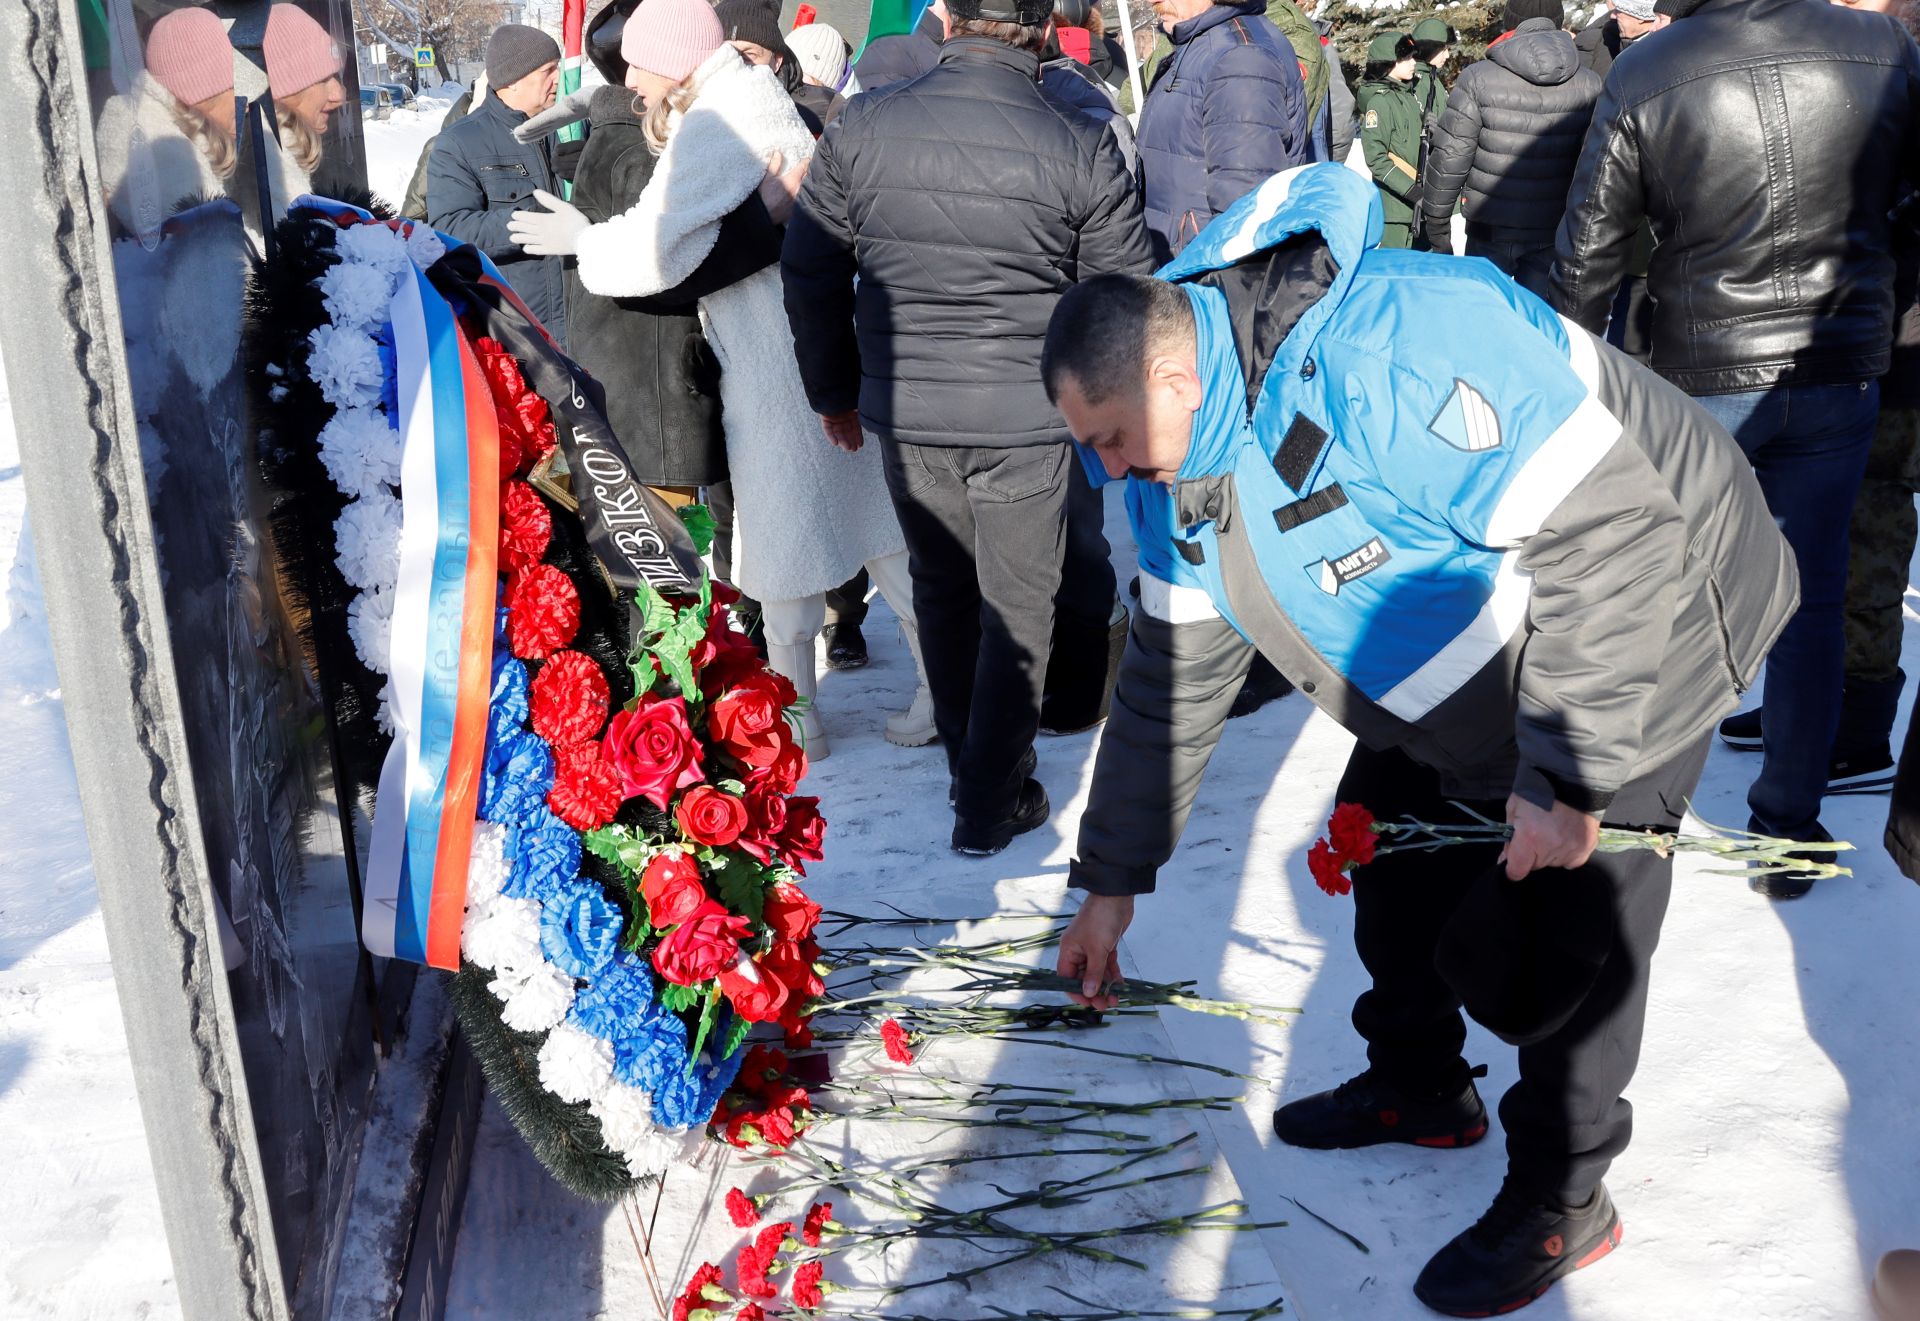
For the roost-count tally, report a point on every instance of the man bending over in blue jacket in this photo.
(1525, 572)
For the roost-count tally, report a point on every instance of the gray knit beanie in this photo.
(515, 50)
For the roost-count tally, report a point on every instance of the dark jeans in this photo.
(1808, 445)
(1528, 262)
(1559, 962)
(986, 531)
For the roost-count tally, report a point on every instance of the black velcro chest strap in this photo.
(1323, 501)
(1190, 551)
(1299, 451)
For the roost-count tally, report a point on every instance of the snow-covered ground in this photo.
(1777, 1099)
(394, 143)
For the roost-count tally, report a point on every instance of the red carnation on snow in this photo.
(751, 1312)
(543, 611)
(894, 1038)
(744, 1209)
(806, 1285)
(750, 1269)
(568, 699)
(694, 1295)
(798, 1036)
(526, 527)
(586, 790)
(819, 1216)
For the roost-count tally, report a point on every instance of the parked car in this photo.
(402, 94)
(375, 103)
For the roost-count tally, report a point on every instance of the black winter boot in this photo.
(1367, 1110)
(1264, 684)
(983, 839)
(1517, 1249)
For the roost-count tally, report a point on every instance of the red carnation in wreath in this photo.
(586, 790)
(543, 611)
(568, 699)
(526, 527)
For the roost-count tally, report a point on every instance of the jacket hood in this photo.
(1538, 52)
(1334, 205)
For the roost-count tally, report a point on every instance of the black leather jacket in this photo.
(1766, 142)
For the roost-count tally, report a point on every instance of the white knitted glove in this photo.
(554, 232)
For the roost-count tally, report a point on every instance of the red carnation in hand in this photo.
(894, 1038)
(789, 914)
(702, 946)
(568, 699)
(819, 1215)
(543, 611)
(672, 888)
(745, 1210)
(526, 527)
(586, 790)
(804, 835)
(1351, 831)
(756, 996)
(806, 1285)
(653, 749)
(1328, 873)
(711, 817)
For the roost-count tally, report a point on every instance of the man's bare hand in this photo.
(843, 429)
(1088, 949)
(778, 190)
(1560, 838)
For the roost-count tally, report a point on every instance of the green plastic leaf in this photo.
(741, 885)
(707, 1012)
(676, 997)
(736, 1037)
(699, 523)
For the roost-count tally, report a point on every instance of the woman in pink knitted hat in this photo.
(180, 109)
(303, 73)
(807, 516)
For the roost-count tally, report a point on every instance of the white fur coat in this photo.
(144, 188)
(807, 515)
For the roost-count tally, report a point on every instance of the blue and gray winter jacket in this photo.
(1514, 553)
(1226, 110)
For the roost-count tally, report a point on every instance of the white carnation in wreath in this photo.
(385, 714)
(506, 938)
(345, 364)
(625, 1113)
(425, 246)
(361, 450)
(366, 542)
(370, 625)
(575, 1065)
(374, 245)
(356, 294)
(486, 868)
(532, 998)
(660, 1150)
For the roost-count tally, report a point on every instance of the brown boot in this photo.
(1896, 1286)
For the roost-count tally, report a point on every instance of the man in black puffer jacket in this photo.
(965, 201)
(1510, 138)
(1766, 143)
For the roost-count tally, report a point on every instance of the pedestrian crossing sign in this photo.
(423, 57)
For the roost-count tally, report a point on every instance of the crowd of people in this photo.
(1530, 526)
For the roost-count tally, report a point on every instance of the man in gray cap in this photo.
(1625, 22)
(479, 175)
(966, 201)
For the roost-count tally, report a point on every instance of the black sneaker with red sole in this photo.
(1368, 1110)
(1515, 1252)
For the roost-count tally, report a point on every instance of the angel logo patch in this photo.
(1356, 564)
(1467, 421)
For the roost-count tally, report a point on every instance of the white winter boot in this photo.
(795, 661)
(913, 727)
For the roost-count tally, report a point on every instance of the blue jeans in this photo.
(1808, 445)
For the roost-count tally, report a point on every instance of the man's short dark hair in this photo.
(1105, 329)
(1021, 36)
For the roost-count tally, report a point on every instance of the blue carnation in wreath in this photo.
(507, 705)
(516, 779)
(580, 930)
(685, 1097)
(546, 855)
(615, 999)
(652, 1050)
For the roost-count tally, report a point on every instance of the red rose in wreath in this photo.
(672, 887)
(701, 947)
(654, 749)
(756, 996)
(710, 816)
(804, 835)
(789, 914)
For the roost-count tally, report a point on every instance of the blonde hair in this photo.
(297, 140)
(206, 136)
(663, 114)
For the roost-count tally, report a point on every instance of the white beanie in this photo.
(822, 53)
